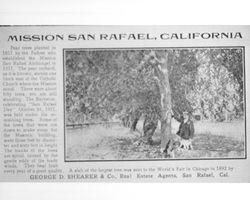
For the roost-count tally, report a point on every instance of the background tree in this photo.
(218, 91)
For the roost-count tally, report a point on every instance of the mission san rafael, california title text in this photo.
(124, 36)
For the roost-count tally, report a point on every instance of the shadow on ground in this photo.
(119, 144)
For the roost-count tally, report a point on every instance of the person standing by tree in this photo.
(186, 130)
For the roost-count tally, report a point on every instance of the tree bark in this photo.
(162, 77)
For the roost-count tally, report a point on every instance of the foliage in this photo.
(104, 84)
(217, 94)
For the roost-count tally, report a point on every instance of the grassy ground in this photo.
(212, 140)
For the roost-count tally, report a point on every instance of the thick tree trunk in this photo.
(134, 123)
(162, 77)
(166, 111)
(149, 127)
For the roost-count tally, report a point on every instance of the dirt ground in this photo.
(212, 140)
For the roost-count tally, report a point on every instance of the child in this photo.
(186, 131)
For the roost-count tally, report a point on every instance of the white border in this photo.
(124, 12)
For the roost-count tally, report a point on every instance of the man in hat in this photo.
(186, 131)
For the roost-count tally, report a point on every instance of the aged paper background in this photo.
(209, 14)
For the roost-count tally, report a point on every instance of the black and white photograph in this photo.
(154, 103)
